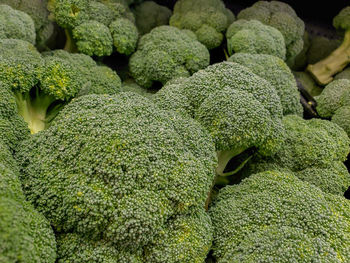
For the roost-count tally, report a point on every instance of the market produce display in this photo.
(172, 132)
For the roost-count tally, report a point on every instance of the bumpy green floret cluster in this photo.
(275, 217)
(208, 19)
(166, 53)
(252, 36)
(314, 150)
(96, 27)
(274, 70)
(282, 17)
(149, 15)
(130, 169)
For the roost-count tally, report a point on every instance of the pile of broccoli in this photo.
(172, 132)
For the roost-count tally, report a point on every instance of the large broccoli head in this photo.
(283, 17)
(274, 70)
(323, 70)
(275, 217)
(240, 110)
(252, 36)
(166, 53)
(118, 167)
(208, 19)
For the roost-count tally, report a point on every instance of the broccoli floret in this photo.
(278, 74)
(308, 83)
(320, 48)
(252, 36)
(345, 74)
(6, 157)
(208, 19)
(342, 117)
(221, 97)
(16, 24)
(127, 165)
(129, 85)
(274, 200)
(323, 70)
(166, 53)
(149, 15)
(94, 27)
(281, 16)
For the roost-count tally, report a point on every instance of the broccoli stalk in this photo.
(323, 70)
(70, 45)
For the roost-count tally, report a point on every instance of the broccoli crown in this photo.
(277, 204)
(334, 96)
(96, 26)
(127, 165)
(6, 158)
(207, 18)
(252, 36)
(342, 118)
(129, 85)
(149, 15)
(16, 24)
(345, 74)
(281, 16)
(320, 48)
(166, 53)
(342, 20)
(274, 70)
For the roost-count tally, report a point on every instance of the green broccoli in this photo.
(208, 19)
(166, 53)
(345, 74)
(149, 15)
(129, 85)
(95, 27)
(251, 36)
(274, 70)
(240, 110)
(275, 217)
(308, 83)
(323, 70)
(300, 61)
(119, 168)
(282, 17)
(16, 24)
(320, 48)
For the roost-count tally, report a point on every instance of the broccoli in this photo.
(300, 61)
(119, 168)
(16, 24)
(275, 217)
(320, 48)
(274, 70)
(129, 85)
(95, 27)
(149, 15)
(308, 83)
(208, 19)
(251, 36)
(313, 150)
(240, 110)
(345, 74)
(282, 17)
(166, 53)
(323, 70)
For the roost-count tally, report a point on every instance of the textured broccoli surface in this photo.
(324, 70)
(252, 36)
(166, 53)
(283, 17)
(16, 24)
(278, 74)
(129, 168)
(240, 110)
(274, 216)
(208, 19)
(149, 15)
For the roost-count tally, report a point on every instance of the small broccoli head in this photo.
(252, 36)
(149, 15)
(282, 17)
(208, 19)
(166, 53)
(274, 70)
(125, 35)
(16, 24)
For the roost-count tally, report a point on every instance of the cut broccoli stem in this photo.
(70, 45)
(225, 156)
(34, 109)
(323, 70)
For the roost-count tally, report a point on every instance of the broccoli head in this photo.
(149, 15)
(274, 70)
(282, 17)
(208, 19)
(252, 36)
(241, 110)
(323, 70)
(166, 53)
(119, 168)
(272, 215)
